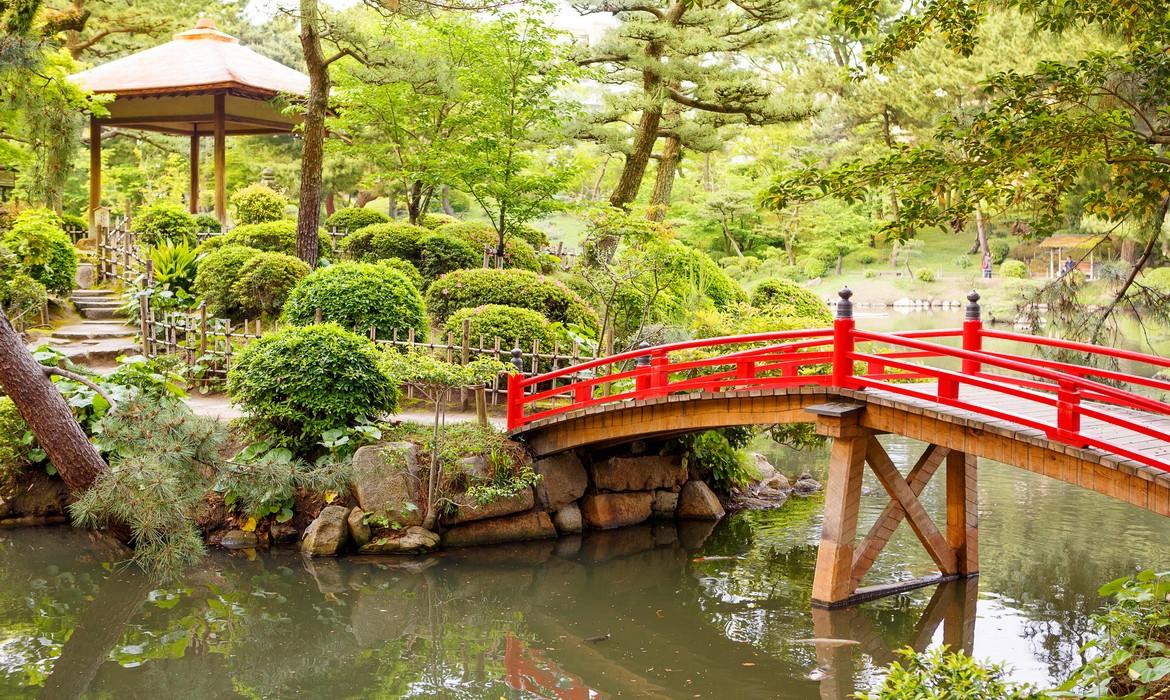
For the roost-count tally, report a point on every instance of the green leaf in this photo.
(1150, 670)
(285, 515)
(36, 455)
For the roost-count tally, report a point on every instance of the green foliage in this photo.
(432, 220)
(518, 253)
(270, 236)
(159, 454)
(719, 456)
(300, 382)
(262, 480)
(353, 218)
(427, 371)
(510, 324)
(939, 675)
(265, 281)
(440, 253)
(22, 298)
(788, 299)
(73, 222)
(814, 268)
(381, 241)
(359, 296)
(256, 204)
(175, 265)
(217, 274)
(406, 268)
(924, 274)
(530, 235)
(43, 250)
(1131, 655)
(207, 222)
(470, 288)
(1000, 249)
(164, 222)
(1014, 269)
(18, 446)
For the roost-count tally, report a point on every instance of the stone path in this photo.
(217, 406)
(98, 338)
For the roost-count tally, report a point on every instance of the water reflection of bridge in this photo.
(1066, 420)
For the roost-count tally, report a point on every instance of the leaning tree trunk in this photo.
(664, 178)
(445, 200)
(47, 414)
(635, 166)
(313, 134)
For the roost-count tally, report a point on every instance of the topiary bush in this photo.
(510, 324)
(270, 237)
(530, 235)
(786, 298)
(256, 204)
(164, 222)
(814, 268)
(440, 253)
(43, 250)
(518, 253)
(359, 295)
(1000, 249)
(298, 383)
(434, 220)
(405, 267)
(207, 222)
(73, 222)
(381, 241)
(351, 219)
(1014, 269)
(217, 273)
(265, 281)
(925, 274)
(464, 289)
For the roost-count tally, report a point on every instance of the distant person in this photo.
(1068, 266)
(987, 266)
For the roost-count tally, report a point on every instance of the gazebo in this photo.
(201, 83)
(1060, 244)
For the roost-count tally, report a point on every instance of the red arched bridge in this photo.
(1095, 419)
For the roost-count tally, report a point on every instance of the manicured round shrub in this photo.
(73, 222)
(405, 267)
(217, 273)
(351, 219)
(517, 252)
(925, 274)
(464, 289)
(508, 323)
(359, 295)
(440, 253)
(1014, 269)
(786, 298)
(380, 241)
(433, 221)
(298, 383)
(1000, 249)
(815, 267)
(265, 282)
(256, 204)
(207, 222)
(530, 235)
(43, 250)
(693, 271)
(164, 221)
(270, 236)
(520, 255)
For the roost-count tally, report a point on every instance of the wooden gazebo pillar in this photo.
(193, 195)
(95, 170)
(220, 161)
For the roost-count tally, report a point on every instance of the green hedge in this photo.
(381, 241)
(164, 221)
(789, 299)
(440, 253)
(217, 273)
(298, 383)
(518, 253)
(207, 222)
(359, 295)
(353, 218)
(257, 204)
(434, 220)
(508, 323)
(1013, 268)
(269, 236)
(265, 281)
(43, 250)
(405, 267)
(464, 289)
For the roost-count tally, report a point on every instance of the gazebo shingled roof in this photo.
(201, 83)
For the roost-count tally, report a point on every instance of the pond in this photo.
(658, 611)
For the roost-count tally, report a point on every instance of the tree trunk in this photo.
(313, 134)
(664, 178)
(708, 184)
(981, 232)
(445, 200)
(363, 198)
(596, 192)
(634, 169)
(840, 264)
(730, 238)
(330, 204)
(1129, 251)
(47, 414)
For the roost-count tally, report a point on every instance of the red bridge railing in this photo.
(932, 365)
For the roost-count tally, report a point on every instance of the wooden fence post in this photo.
(464, 357)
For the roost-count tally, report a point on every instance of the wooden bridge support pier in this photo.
(842, 562)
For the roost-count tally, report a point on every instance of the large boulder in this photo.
(697, 501)
(604, 511)
(238, 539)
(512, 528)
(806, 485)
(412, 540)
(764, 467)
(568, 519)
(359, 529)
(638, 473)
(563, 480)
(500, 507)
(386, 481)
(327, 534)
(664, 505)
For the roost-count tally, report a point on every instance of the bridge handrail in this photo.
(1116, 353)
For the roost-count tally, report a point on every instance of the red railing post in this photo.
(843, 340)
(1068, 414)
(516, 391)
(972, 333)
(659, 376)
(644, 379)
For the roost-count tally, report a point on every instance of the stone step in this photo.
(93, 331)
(99, 304)
(100, 313)
(77, 293)
(90, 353)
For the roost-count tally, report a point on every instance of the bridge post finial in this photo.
(844, 305)
(643, 360)
(518, 359)
(973, 311)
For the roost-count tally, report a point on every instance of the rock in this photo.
(412, 540)
(85, 276)
(283, 533)
(327, 534)
(512, 528)
(603, 511)
(327, 574)
(238, 539)
(359, 530)
(500, 507)
(806, 485)
(764, 467)
(568, 519)
(638, 473)
(779, 482)
(693, 534)
(563, 480)
(475, 466)
(386, 481)
(698, 502)
(664, 505)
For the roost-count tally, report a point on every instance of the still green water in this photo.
(663, 611)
